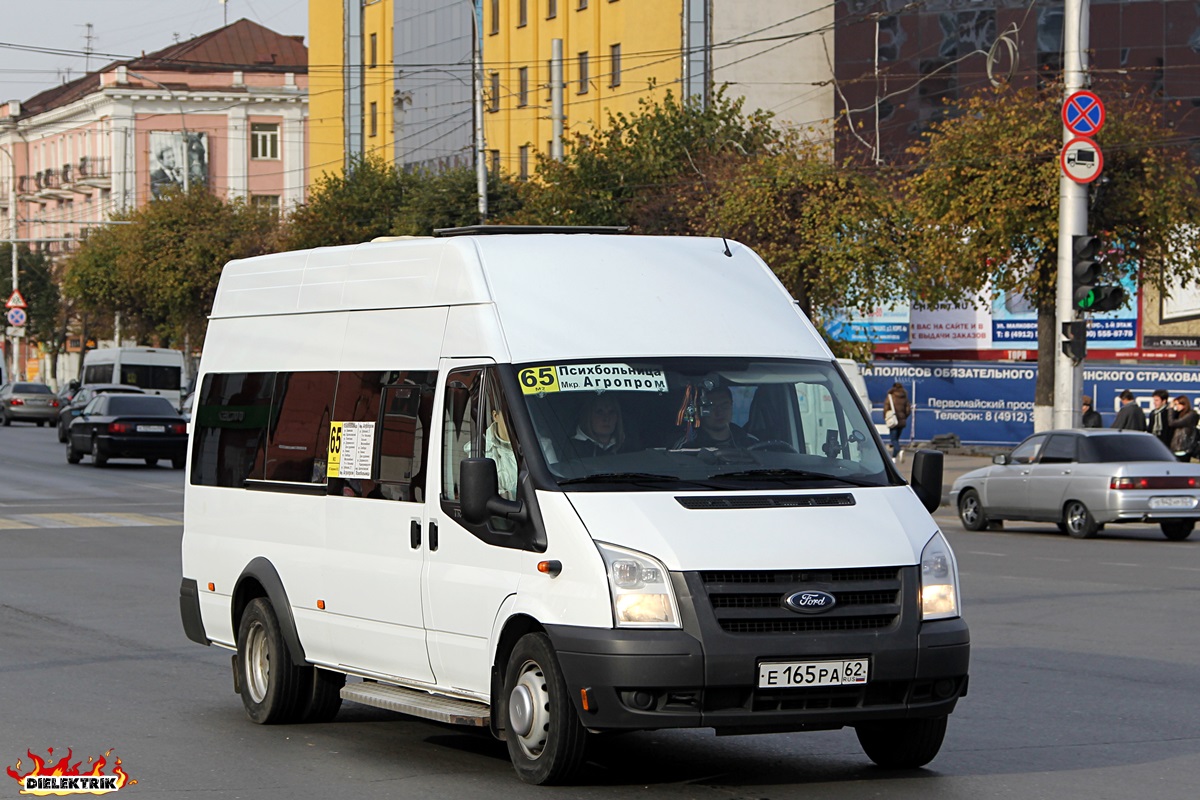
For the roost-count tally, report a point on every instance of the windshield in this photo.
(727, 422)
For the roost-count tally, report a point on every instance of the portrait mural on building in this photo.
(171, 152)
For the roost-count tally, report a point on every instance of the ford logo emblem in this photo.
(810, 602)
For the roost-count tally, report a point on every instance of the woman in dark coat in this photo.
(1183, 425)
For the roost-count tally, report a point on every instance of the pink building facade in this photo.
(227, 110)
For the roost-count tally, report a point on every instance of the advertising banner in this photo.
(992, 404)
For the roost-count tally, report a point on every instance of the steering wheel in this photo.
(774, 446)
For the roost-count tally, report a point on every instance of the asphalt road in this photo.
(1083, 680)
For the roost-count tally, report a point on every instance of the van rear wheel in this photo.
(273, 687)
(546, 741)
(902, 743)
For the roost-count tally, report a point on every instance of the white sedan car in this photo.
(1083, 480)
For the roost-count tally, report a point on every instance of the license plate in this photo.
(36, 402)
(1173, 502)
(151, 428)
(789, 674)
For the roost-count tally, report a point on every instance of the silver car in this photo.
(1082, 480)
(31, 402)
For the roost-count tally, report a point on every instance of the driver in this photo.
(716, 424)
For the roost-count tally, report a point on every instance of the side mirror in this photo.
(927, 478)
(479, 492)
(1001, 459)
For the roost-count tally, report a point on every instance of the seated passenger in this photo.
(600, 430)
(498, 447)
(716, 424)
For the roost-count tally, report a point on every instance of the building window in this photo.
(264, 140)
(494, 158)
(582, 5)
(495, 17)
(614, 67)
(494, 91)
(524, 162)
(373, 61)
(522, 13)
(374, 122)
(523, 86)
(267, 201)
(583, 72)
(551, 9)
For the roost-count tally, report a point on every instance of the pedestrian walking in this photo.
(1091, 417)
(1159, 423)
(895, 414)
(1183, 440)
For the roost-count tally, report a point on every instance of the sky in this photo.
(120, 29)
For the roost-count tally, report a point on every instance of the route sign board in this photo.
(16, 317)
(15, 300)
(1083, 114)
(1081, 160)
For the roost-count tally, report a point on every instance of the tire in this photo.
(324, 696)
(62, 432)
(98, 458)
(41, 423)
(1177, 529)
(177, 463)
(902, 743)
(970, 511)
(545, 739)
(1078, 521)
(72, 456)
(4, 417)
(1062, 526)
(274, 689)
(151, 462)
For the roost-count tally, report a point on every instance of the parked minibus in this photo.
(554, 483)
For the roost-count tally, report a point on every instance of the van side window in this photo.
(230, 428)
(404, 436)
(299, 430)
(460, 426)
(98, 373)
(358, 398)
(147, 376)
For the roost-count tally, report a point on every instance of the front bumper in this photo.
(704, 676)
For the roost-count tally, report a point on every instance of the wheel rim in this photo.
(970, 510)
(529, 710)
(1076, 517)
(258, 662)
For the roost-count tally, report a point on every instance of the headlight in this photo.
(939, 580)
(641, 589)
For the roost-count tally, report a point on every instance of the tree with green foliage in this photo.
(160, 271)
(39, 287)
(450, 199)
(984, 200)
(354, 206)
(621, 174)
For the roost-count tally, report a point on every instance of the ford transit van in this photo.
(552, 484)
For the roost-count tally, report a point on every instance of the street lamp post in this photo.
(477, 90)
(12, 243)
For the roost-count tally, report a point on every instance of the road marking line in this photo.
(85, 520)
(983, 553)
(65, 521)
(1117, 564)
(14, 525)
(120, 518)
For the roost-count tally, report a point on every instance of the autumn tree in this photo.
(36, 280)
(450, 199)
(984, 200)
(160, 270)
(349, 207)
(620, 174)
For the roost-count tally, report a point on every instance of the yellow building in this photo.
(352, 86)
(615, 53)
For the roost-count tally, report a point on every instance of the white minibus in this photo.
(553, 483)
(156, 370)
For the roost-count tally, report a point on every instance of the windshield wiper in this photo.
(789, 473)
(620, 477)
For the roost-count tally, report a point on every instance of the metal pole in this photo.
(556, 98)
(1072, 219)
(12, 246)
(477, 87)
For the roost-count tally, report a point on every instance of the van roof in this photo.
(550, 293)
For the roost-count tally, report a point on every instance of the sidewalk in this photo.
(954, 465)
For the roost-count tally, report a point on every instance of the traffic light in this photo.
(1084, 271)
(1074, 344)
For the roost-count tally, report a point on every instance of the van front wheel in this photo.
(902, 743)
(546, 741)
(272, 685)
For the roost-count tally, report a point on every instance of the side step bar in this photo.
(418, 704)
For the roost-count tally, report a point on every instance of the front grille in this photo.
(709, 502)
(752, 602)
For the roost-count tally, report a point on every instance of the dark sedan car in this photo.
(31, 402)
(128, 426)
(83, 396)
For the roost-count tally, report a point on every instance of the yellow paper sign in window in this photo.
(333, 465)
(535, 380)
